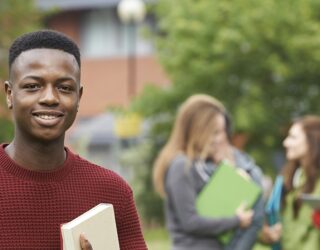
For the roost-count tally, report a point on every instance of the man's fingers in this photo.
(84, 243)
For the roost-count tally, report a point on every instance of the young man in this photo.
(42, 183)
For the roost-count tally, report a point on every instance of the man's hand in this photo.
(84, 243)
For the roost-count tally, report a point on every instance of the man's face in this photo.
(43, 93)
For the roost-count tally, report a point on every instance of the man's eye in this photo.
(31, 86)
(65, 88)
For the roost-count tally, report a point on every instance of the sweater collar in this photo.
(6, 163)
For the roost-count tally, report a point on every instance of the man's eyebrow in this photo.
(39, 78)
(66, 78)
(33, 77)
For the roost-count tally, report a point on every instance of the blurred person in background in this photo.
(301, 175)
(200, 139)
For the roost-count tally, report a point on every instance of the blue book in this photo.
(272, 208)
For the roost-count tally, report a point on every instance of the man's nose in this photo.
(49, 96)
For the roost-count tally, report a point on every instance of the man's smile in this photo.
(48, 117)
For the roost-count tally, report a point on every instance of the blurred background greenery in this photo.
(16, 17)
(260, 58)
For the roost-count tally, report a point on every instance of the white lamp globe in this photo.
(131, 11)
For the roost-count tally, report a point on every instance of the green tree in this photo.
(259, 57)
(16, 18)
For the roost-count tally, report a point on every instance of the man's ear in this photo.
(8, 91)
(80, 95)
(80, 91)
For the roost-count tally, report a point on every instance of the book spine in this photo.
(67, 240)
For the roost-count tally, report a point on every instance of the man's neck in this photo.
(37, 156)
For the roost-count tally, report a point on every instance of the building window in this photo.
(103, 35)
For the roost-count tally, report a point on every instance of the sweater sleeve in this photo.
(129, 229)
(180, 190)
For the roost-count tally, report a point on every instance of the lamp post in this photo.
(131, 12)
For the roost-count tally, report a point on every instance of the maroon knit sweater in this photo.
(33, 205)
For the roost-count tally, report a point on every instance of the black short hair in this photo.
(48, 39)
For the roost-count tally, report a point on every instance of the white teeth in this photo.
(47, 117)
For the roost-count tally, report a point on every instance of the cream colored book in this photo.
(98, 225)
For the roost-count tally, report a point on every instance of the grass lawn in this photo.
(157, 239)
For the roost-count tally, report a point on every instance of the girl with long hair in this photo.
(198, 142)
(301, 175)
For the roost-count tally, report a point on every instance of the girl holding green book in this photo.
(199, 141)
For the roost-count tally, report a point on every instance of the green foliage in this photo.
(16, 18)
(139, 158)
(6, 132)
(259, 57)
(157, 238)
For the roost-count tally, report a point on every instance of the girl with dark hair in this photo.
(301, 175)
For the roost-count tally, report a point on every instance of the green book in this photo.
(226, 190)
